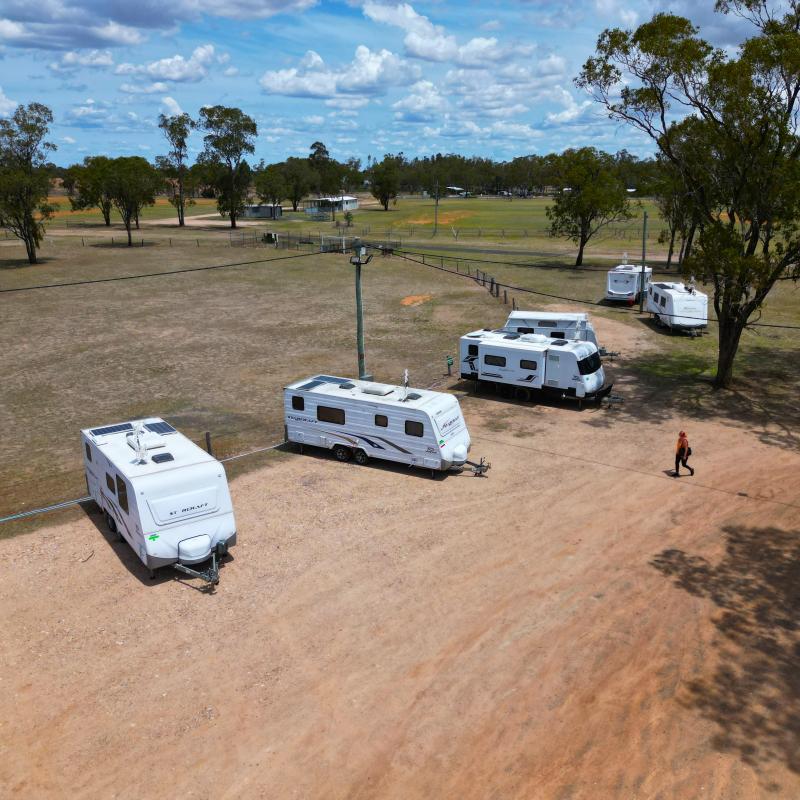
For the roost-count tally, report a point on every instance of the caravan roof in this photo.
(631, 268)
(167, 448)
(381, 393)
(533, 341)
(676, 288)
(555, 316)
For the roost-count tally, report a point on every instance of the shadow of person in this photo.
(753, 691)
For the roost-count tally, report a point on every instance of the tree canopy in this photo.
(133, 184)
(173, 165)
(729, 125)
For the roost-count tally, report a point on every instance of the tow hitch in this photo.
(210, 575)
(479, 470)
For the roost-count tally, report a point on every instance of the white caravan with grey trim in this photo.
(531, 363)
(554, 324)
(164, 495)
(677, 306)
(624, 282)
(363, 419)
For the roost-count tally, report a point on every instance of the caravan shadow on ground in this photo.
(132, 563)
(752, 691)
(485, 393)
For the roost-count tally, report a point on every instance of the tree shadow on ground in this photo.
(763, 399)
(753, 693)
(21, 263)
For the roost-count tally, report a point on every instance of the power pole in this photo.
(644, 256)
(436, 209)
(358, 260)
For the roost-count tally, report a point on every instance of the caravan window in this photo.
(472, 350)
(525, 364)
(663, 301)
(414, 428)
(494, 361)
(382, 421)
(122, 492)
(327, 414)
(88, 451)
(298, 403)
(526, 330)
(590, 364)
(655, 297)
(557, 335)
(110, 484)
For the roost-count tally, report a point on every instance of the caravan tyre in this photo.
(112, 526)
(361, 457)
(342, 453)
(522, 393)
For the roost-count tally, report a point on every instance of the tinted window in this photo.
(414, 428)
(327, 414)
(590, 364)
(298, 403)
(122, 492)
(525, 364)
(88, 451)
(472, 350)
(557, 335)
(526, 330)
(663, 301)
(495, 361)
(382, 421)
(110, 484)
(655, 297)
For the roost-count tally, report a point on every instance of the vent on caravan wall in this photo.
(380, 389)
(125, 426)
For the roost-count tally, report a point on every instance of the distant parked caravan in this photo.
(677, 306)
(624, 282)
(555, 324)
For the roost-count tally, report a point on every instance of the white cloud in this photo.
(68, 139)
(347, 103)
(369, 73)
(175, 68)
(114, 33)
(432, 43)
(572, 112)
(7, 105)
(491, 25)
(231, 72)
(146, 88)
(423, 104)
(73, 59)
(171, 107)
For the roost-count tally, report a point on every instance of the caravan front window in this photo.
(590, 364)
(122, 493)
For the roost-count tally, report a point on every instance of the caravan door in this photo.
(528, 368)
(493, 364)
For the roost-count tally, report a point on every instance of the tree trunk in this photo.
(294, 205)
(105, 209)
(579, 259)
(136, 217)
(730, 331)
(128, 231)
(671, 247)
(181, 212)
(30, 249)
(688, 246)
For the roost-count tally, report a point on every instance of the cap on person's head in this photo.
(682, 433)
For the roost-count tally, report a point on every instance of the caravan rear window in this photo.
(88, 451)
(494, 361)
(110, 484)
(328, 414)
(414, 428)
(298, 403)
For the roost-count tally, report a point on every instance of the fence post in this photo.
(423, 258)
(170, 241)
(513, 303)
(83, 244)
(112, 241)
(441, 262)
(491, 286)
(208, 444)
(198, 242)
(505, 297)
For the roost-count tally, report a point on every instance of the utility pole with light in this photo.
(358, 260)
(644, 256)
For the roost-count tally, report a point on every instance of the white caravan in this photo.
(530, 362)
(161, 493)
(624, 282)
(678, 306)
(555, 324)
(363, 419)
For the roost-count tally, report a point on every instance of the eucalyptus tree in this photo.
(133, 184)
(90, 183)
(728, 122)
(230, 135)
(24, 176)
(173, 166)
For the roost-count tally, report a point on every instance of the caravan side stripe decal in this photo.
(396, 446)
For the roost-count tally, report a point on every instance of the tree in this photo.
(270, 183)
(173, 166)
(385, 181)
(736, 150)
(90, 186)
(133, 184)
(230, 134)
(299, 178)
(592, 196)
(24, 177)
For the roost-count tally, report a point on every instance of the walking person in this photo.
(682, 453)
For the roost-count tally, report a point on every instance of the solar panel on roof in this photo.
(124, 426)
(160, 427)
(310, 385)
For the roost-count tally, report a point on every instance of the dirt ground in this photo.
(576, 625)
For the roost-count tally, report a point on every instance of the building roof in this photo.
(161, 439)
(371, 391)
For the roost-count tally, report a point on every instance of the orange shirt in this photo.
(683, 442)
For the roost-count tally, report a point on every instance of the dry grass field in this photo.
(578, 625)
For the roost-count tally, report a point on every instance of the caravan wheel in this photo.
(522, 393)
(342, 453)
(361, 457)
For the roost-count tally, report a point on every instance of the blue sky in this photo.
(366, 77)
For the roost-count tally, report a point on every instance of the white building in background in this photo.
(262, 211)
(344, 202)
